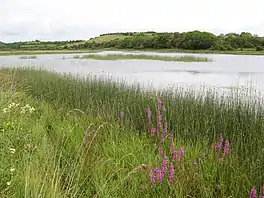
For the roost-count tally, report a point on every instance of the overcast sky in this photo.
(82, 19)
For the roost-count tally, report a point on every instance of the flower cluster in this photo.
(26, 109)
(253, 193)
(10, 107)
(23, 110)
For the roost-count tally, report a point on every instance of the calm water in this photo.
(225, 72)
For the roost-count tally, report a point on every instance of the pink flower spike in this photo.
(226, 148)
(165, 130)
(219, 144)
(253, 193)
(149, 114)
(153, 131)
(165, 166)
(152, 179)
(175, 155)
(181, 153)
(172, 146)
(172, 172)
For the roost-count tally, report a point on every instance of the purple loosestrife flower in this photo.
(153, 131)
(160, 104)
(152, 179)
(172, 173)
(165, 166)
(226, 148)
(219, 144)
(165, 130)
(175, 155)
(149, 114)
(159, 174)
(159, 122)
(253, 193)
(181, 153)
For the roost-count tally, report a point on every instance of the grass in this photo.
(29, 57)
(186, 58)
(91, 138)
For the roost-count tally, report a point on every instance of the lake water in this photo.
(225, 72)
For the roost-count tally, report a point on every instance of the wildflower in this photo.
(153, 131)
(12, 150)
(122, 115)
(159, 174)
(8, 183)
(181, 153)
(175, 155)
(12, 170)
(165, 166)
(159, 121)
(165, 132)
(5, 110)
(219, 144)
(160, 104)
(172, 172)
(226, 148)
(253, 193)
(152, 179)
(149, 114)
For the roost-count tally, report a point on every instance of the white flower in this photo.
(8, 183)
(5, 110)
(12, 170)
(12, 150)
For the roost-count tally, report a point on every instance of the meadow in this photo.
(186, 58)
(67, 136)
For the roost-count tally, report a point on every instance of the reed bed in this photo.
(186, 58)
(92, 137)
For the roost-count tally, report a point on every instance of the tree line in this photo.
(193, 40)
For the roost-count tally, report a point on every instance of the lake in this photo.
(225, 72)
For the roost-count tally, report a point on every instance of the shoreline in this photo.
(43, 52)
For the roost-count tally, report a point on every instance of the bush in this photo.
(259, 48)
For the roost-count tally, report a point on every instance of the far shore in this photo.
(39, 52)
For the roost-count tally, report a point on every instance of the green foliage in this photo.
(259, 48)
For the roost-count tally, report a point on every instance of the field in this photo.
(186, 58)
(63, 136)
(106, 38)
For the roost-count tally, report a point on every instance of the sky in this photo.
(22, 20)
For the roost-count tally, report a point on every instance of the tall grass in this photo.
(119, 151)
(186, 58)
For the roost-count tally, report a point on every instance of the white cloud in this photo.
(81, 19)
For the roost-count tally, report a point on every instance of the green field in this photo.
(63, 136)
(107, 38)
